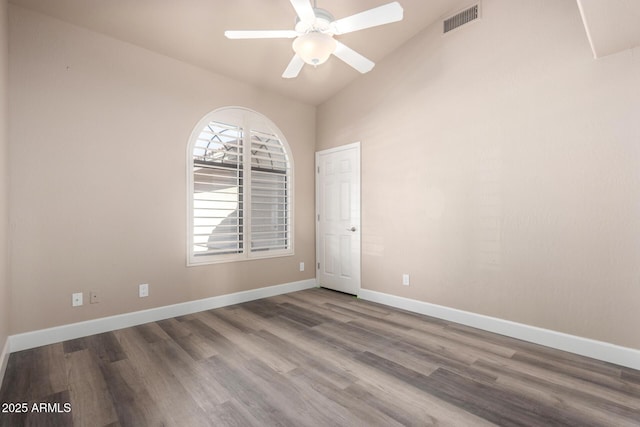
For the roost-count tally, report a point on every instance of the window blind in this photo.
(218, 186)
(241, 205)
(269, 193)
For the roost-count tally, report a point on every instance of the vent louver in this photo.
(461, 18)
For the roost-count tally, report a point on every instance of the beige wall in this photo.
(98, 135)
(500, 170)
(498, 163)
(4, 176)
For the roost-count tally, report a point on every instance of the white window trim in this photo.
(247, 254)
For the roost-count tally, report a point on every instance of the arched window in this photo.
(240, 173)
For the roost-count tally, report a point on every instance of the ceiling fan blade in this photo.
(260, 34)
(294, 67)
(385, 14)
(353, 58)
(304, 10)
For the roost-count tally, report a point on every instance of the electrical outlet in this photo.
(76, 299)
(405, 279)
(93, 297)
(302, 266)
(143, 290)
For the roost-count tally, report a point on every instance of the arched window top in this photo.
(222, 130)
(240, 187)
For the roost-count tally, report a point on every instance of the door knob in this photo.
(351, 229)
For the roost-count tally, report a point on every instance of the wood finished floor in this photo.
(315, 358)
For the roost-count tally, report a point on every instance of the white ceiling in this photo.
(612, 25)
(192, 31)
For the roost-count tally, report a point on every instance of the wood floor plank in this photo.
(88, 390)
(168, 394)
(232, 414)
(574, 361)
(590, 408)
(476, 342)
(496, 404)
(17, 383)
(453, 343)
(561, 379)
(258, 322)
(584, 373)
(300, 356)
(244, 345)
(232, 318)
(425, 345)
(193, 343)
(343, 407)
(356, 337)
(416, 320)
(196, 346)
(630, 375)
(304, 409)
(244, 390)
(106, 347)
(34, 374)
(423, 360)
(263, 308)
(468, 332)
(296, 300)
(321, 296)
(174, 328)
(77, 344)
(151, 332)
(571, 392)
(305, 316)
(198, 383)
(131, 400)
(315, 357)
(358, 311)
(415, 406)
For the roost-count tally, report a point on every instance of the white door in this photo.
(338, 218)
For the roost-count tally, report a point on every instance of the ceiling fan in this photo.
(314, 30)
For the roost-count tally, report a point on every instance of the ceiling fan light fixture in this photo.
(314, 48)
(315, 28)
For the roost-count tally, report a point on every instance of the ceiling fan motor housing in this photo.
(321, 24)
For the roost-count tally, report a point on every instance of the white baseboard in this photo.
(41, 337)
(4, 359)
(600, 350)
(583, 346)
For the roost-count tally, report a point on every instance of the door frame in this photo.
(356, 146)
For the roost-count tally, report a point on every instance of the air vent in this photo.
(461, 18)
